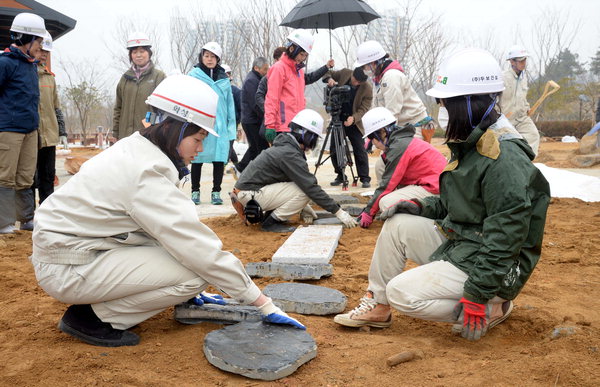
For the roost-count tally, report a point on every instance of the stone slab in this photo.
(310, 245)
(259, 350)
(288, 271)
(344, 199)
(306, 299)
(327, 222)
(324, 214)
(352, 210)
(231, 313)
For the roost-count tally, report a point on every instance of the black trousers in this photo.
(360, 154)
(45, 172)
(218, 168)
(232, 155)
(256, 144)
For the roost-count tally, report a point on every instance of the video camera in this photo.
(334, 97)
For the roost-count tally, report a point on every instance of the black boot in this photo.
(338, 181)
(273, 225)
(81, 322)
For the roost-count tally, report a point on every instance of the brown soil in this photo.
(563, 292)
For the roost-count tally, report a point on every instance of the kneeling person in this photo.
(279, 179)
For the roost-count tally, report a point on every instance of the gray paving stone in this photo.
(288, 271)
(324, 214)
(231, 313)
(259, 350)
(344, 199)
(306, 299)
(310, 245)
(352, 210)
(327, 221)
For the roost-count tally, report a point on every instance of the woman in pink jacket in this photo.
(285, 95)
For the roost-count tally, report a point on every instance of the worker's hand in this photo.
(272, 314)
(349, 121)
(331, 63)
(270, 135)
(331, 82)
(308, 215)
(365, 219)
(402, 207)
(473, 317)
(208, 298)
(63, 140)
(347, 220)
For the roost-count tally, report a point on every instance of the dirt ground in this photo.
(564, 291)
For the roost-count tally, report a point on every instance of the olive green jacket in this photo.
(48, 129)
(492, 208)
(130, 105)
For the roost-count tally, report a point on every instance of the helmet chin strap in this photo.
(487, 112)
(183, 128)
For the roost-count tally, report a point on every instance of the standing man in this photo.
(361, 98)
(19, 119)
(252, 115)
(237, 96)
(514, 98)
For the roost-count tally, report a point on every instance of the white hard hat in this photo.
(368, 52)
(226, 68)
(310, 120)
(186, 99)
(47, 42)
(30, 24)
(138, 39)
(213, 47)
(302, 38)
(377, 118)
(517, 51)
(469, 71)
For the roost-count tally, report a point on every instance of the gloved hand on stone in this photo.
(365, 219)
(402, 207)
(270, 135)
(308, 215)
(272, 314)
(347, 220)
(474, 318)
(208, 298)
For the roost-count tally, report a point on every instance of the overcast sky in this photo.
(467, 21)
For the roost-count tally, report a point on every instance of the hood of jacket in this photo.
(13, 52)
(392, 65)
(215, 74)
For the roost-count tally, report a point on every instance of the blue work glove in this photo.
(208, 298)
(272, 314)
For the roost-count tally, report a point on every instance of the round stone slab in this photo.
(306, 299)
(259, 350)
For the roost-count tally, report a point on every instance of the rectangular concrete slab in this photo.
(288, 271)
(310, 245)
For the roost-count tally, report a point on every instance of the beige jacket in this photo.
(48, 129)
(128, 196)
(396, 94)
(514, 98)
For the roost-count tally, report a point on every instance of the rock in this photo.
(310, 245)
(584, 161)
(327, 222)
(306, 299)
(324, 214)
(562, 332)
(344, 199)
(353, 210)
(231, 313)
(588, 145)
(259, 350)
(289, 271)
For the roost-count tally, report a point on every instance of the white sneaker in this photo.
(10, 229)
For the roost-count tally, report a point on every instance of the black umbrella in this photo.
(330, 14)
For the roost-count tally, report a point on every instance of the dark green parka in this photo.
(492, 207)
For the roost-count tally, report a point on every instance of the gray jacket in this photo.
(284, 162)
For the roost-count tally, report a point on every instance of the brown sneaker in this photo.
(367, 313)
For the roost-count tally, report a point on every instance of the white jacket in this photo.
(514, 97)
(396, 94)
(128, 196)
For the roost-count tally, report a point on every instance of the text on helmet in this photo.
(485, 78)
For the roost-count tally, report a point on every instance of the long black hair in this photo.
(459, 125)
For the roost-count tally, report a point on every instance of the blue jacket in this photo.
(251, 113)
(217, 148)
(19, 92)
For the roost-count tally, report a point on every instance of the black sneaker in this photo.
(271, 224)
(338, 181)
(81, 322)
(366, 184)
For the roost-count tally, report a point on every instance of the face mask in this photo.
(368, 71)
(443, 118)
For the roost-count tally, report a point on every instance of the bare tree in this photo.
(188, 32)
(347, 39)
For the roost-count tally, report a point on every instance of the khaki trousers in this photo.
(124, 286)
(408, 192)
(530, 132)
(18, 159)
(284, 199)
(379, 169)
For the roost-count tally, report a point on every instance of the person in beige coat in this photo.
(125, 251)
(514, 99)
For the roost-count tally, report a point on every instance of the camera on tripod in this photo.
(335, 97)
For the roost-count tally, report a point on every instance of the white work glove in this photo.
(63, 140)
(308, 215)
(272, 314)
(346, 219)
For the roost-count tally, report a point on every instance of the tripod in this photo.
(335, 130)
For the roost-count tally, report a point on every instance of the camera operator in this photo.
(352, 110)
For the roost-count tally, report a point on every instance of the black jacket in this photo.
(251, 113)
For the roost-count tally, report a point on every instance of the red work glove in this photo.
(474, 318)
(365, 219)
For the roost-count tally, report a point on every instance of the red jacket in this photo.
(285, 95)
